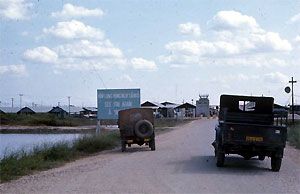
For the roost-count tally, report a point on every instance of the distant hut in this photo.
(155, 106)
(186, 110)
(90, 112)
(26, 111)
(168, 110)
(58, 111)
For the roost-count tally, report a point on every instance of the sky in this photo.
(171, 50)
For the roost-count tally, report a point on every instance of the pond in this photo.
(14, 142)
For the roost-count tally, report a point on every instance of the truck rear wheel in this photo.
(152, 145)
(276, 163)
(220, 159)
(123, 146)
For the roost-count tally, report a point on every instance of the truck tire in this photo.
(143, 129)
(123, 146)
(220, 159)
(152, 145)
(276, 163)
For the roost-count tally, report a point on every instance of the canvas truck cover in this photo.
(246, 108)
(129, 117)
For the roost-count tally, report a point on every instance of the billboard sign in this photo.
(111, 101)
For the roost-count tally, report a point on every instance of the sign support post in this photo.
(98, 129)
(293, 108)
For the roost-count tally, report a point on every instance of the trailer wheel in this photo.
(276, 163)
(152, 145)
(220, 159)
(123, 146)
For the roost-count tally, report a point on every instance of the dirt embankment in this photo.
(5, 129)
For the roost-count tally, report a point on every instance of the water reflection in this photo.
(13, 142)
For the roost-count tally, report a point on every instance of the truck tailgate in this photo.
(253, 133)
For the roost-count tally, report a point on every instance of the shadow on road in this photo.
(234, 165)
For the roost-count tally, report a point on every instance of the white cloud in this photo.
(13, 69)
(202, 48)
(142, 64)
(41, 54)
(71, 11)
(94, 64)
(88, 55)
(74, 30)
(225, 81)
(14, 9)
(276, 77)
(85, 48)
(295, 18)
(233, 20)
(234, 38)
(270, 41)
(189, 28)
(297, 39)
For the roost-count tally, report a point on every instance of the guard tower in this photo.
(202, 105)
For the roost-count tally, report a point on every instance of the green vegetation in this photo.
(294, 134)
(48, 156)
(44, 119)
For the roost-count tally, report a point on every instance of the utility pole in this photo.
(12, 102)
(293, 108)
(69, 98)
(20, 100)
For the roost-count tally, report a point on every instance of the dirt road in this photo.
(183, 163)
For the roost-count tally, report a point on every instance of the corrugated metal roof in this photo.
(157, 104)
(10, 109)
(91, 108)
(186, 105)
(41, 109)
(73, 109)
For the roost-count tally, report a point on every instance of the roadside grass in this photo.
(294, 133)
(44, 119)
(20, 163)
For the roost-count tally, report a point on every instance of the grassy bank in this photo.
(44, 119)
(45, 157)
(294, 134)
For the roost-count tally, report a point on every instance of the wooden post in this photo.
(98, 129)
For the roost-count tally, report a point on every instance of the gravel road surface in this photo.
(184, 162)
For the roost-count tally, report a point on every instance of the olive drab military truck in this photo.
(136, 127)
(248, 126)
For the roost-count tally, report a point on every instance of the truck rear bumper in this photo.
(253, 149)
